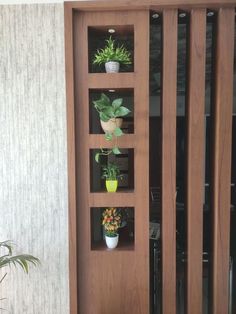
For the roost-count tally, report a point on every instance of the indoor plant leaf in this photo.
(97, 157)
(104, 117)
(117, 103)
(118, 132)
(121, 111)
(116, 151)
(108, 136)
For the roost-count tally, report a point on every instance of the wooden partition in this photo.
(105, 282)
(111, 281)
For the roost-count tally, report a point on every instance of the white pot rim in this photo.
(112, 61)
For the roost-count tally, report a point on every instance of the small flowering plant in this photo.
(111, 220)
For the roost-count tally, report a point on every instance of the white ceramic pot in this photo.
(111, 125)
(112, 242)
(112, 67)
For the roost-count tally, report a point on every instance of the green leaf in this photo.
(108, 136)
(109, 111)
(116, 151)
(122, 111)
(99, 104)
(105, 99)
(117, 103)
(97, 157)
(104, 117)
(118, 132)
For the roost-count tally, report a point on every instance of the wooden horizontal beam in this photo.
(111, 80)
(105, 199)
(99, 141)
(145, 4)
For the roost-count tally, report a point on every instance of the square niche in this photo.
(97, 36)
(126, 231)
(127, 96)
(125, 163)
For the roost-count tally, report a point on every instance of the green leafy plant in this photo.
(110, 172)
(108, 110)
(112, 52)
(22, 260)
(7, 259)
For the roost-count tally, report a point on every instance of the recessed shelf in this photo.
(122, 246)
(97, 36)
(125, 163)
(126, 230)
(127, 97)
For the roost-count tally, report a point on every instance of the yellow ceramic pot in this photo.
(111, 185)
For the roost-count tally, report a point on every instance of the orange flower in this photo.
(111, 220)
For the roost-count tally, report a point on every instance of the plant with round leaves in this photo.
(108, 109)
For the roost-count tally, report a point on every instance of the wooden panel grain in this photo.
(118, 199)
(168, 113)
(111, 80)
(195, 158)
(221, 176)
(98, 141)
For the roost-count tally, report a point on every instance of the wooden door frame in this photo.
(111, 5)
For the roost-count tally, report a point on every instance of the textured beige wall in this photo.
(33, 170)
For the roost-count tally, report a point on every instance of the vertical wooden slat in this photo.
(222, 158)
(168, 190)
(71, 159)
(82, 159)
(141, 151)
(195, 158)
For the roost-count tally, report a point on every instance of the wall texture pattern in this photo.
(33, 163)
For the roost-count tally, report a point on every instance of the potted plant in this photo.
(111, 113)
(111, 173)
(112, 55)
(111, 221)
